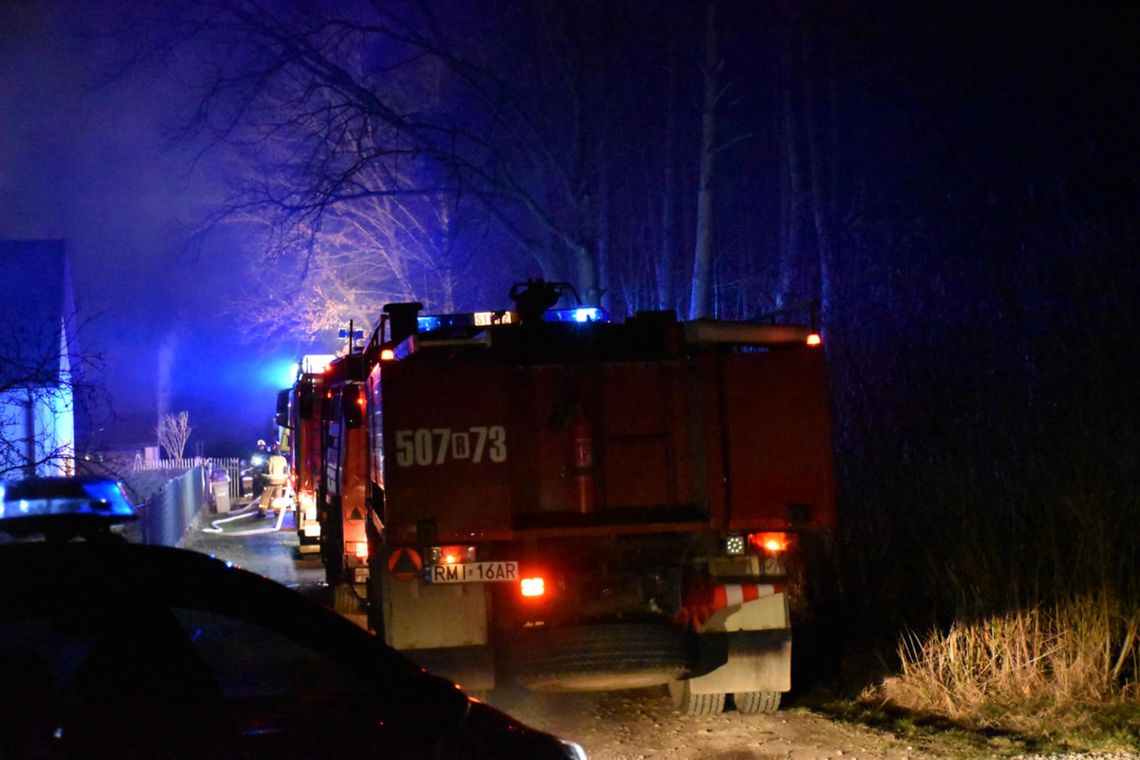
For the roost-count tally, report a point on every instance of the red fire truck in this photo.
(299, 412)
(342, 492)
(579, 505)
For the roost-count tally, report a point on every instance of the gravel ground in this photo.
(641, 724)
(627, 725)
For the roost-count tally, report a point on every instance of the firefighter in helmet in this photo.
(258, 463)
(276, 473)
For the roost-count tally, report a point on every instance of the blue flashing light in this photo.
(426, 323)
(429, 322)
(42, 497)
(277, 372)
(581, 314)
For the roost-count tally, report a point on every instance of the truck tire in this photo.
(596, 657)
(757, 702)
(688, 703)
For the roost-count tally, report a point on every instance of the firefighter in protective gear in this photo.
(276, 474)
(258, 461)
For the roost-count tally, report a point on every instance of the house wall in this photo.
(37, 318)
(53, 432)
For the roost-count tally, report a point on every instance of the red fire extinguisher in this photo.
(582, 438)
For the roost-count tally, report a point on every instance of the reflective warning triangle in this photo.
(404, 563)
(356, 515)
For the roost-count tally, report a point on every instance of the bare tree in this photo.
(373, 129)
(173, 431)
(365, 254)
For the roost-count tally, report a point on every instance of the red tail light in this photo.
(814, 339)
(387, 355)
(770, 543)
(532, 587)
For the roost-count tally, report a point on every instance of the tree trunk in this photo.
(602, 228)
(586, 267)
(700, 302)
(819, 203)
(667, 263)
(791, 186)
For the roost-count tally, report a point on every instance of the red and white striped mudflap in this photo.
(701, 601)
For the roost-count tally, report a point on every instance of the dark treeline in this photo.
(956, 183)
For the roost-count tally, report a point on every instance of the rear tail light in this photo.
(814, 340)
(532, 587)
(770, 543)
(360, 549)
(387, 355)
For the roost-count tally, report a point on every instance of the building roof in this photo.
(36, 302)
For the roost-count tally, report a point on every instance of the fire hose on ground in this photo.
(245, 512)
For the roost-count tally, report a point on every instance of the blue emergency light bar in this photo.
(41, 497)
(581, 314)
(429, 322)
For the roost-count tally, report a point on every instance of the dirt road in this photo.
(641, 724)
(628, 725)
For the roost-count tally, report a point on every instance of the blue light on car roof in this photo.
(110, 496)
(44, 497)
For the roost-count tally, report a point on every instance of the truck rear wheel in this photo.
(597, 657)
(756, 702)
(688, 703)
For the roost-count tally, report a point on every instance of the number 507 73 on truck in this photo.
(577, 505)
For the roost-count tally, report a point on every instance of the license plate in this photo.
(472, 572)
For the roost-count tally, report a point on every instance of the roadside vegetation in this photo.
(990, 540)
(1066, 671)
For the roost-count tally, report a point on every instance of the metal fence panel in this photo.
(232, 466)
(164, 518)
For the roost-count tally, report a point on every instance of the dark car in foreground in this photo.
(111, 649)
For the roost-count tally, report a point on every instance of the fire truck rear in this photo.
(299, 411)
(580, 505)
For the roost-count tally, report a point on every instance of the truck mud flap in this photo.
(745, 661)
(596, 657)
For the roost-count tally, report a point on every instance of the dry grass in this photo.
(1034, 671)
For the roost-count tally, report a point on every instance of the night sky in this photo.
(90, 160)
(935, 127)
